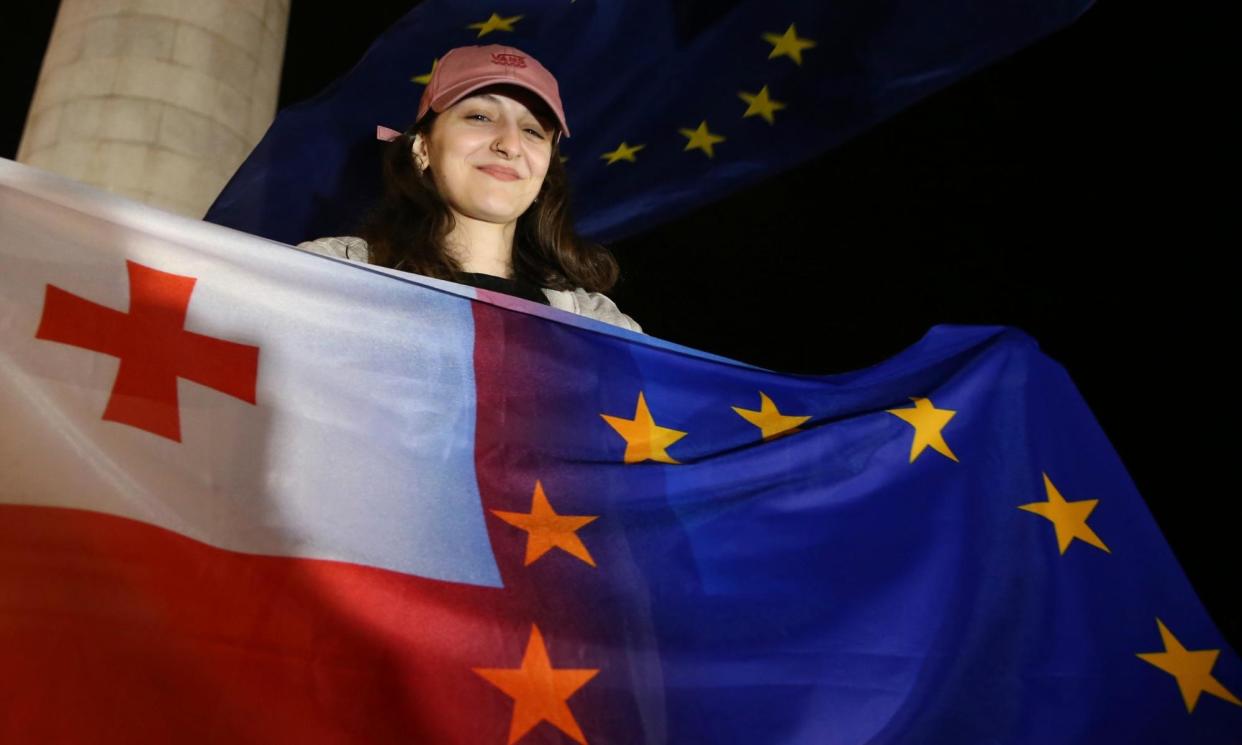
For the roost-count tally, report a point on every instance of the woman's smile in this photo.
(504, 173)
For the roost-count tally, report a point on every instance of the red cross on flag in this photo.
(153, 348)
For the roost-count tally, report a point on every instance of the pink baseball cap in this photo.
(464, 70)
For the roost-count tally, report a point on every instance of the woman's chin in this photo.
(503, 213)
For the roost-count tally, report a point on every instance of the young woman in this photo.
(475, 192)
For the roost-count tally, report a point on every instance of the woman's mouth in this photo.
(504, 173)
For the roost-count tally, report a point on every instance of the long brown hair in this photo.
(408, 228)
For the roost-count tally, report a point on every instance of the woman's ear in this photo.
(418, 149)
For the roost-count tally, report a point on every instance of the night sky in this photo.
(1063, 191)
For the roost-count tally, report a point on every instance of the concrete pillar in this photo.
(159, 100)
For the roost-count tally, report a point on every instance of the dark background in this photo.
(1065, 191)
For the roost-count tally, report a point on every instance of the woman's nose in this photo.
(507, 141)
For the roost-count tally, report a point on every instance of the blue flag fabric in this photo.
(308, 500)
(942, 548)
(672, 104)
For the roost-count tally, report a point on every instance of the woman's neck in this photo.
(482, 247)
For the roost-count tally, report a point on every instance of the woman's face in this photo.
(488, 154)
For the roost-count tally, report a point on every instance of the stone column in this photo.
(159, 100)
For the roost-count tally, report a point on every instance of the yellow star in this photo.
(1193, 670)
(1069, 518)
(425, 78)
(547, 530)
(928, 421)
(761, 105)
(788, 44)
(644, 439)
(539, 691)
(495, 23)
(701, 139)
(624, 151)
(770, 421)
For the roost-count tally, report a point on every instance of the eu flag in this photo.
(672, 104)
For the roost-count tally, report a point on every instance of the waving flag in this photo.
(671, 104)
(252, 494)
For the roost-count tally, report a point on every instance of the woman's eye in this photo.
(479, 117)
(535, 132)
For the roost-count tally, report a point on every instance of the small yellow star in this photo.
(644, 439)
(761, 105)
(770, 421)
(425, 78)
(788, 44)
(547, 530)
(1192, 669)
(701, 139)
(1069, 518)
(624, 151)
(495, 23)
(928, 421)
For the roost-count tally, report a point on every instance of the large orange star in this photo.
(1192, 669)
(644, 439)
(928, 423)
(539, 691)
(547, 530)
(1069, 518)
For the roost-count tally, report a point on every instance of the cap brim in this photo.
(452, 95)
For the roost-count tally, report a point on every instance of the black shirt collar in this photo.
(514, 287)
